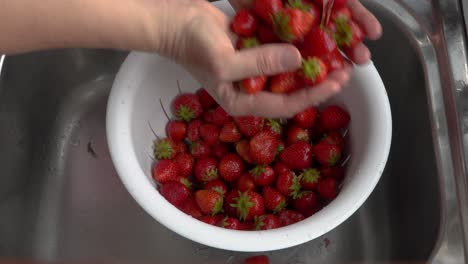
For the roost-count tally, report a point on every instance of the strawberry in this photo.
(327, 154)
(253, 85)
(337, 4)
(274, 200)
(266, 34)
(296, 134)
(208, 116)
(206, 169)
(209, 133)
(317, 131)
(212, 219)
(164, 149)
(334, 117)
(175, 192)
(248, 205)
(185, 163)
(249, 125)
(246, 183)
(334, 138)
(165, 171)
(286, 82)
(229, 199)
(186, 106)
(307, 203)
(327, 188)
(231, 223)
(190, 207)
(205, 99)
(316, 43)
(266, 222)
(263, 175)
(266, 8)
(343, 12)
(336, 172)
(244, 23)
(279, 168)
(274, 127)
(180, 147)
(243, 149)
(313, 71)
(247, 43)
(307, 118)
(346, 32)
(309, 178)
(289, 217)
(262, 259)
(289, 184)
(293, 22)
(193, 130)
(263, 147)
(333, 60)
(209, 201)
(247, 226)
(231, 167)
(230, 133)
(199, 149)
(220, 117)
(176, 130)
(219, 150)
(216, 185)
(297, 156)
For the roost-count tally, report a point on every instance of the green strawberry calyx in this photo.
(280, 207)
(242, 204)
(274, 125)
(218, 206)
(312, 68)
(343, 33)
(333, 158)
(279, 148)
(210, 174)
(295, 188)
(186, 182)
(281, 26)
(310, 175)
(299, 4)
(186, 113)
(259, 222)
(257, 170)
(218, 190)
(248, 43)
(163, 149)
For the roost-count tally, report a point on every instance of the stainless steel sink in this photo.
(61, 199)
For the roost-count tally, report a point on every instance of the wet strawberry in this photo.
(212, 219)
(309, 178)
(263, 175)
(253, 85)
(293, 22)
(297, 156)
(333, 60)
(230, 133)
(205, 99)
(186, 107)
(231, 167)
(206, 169)
(296, 134)
(336, 172)
(273, 199)
(346, 32)
(289, 184)
(175, 192)
(279, 168)
(180, 147)
(219, 150)
(327, 154)
(176, 130)
(244, 23)
(193, 130)
(334, 117)
(266, 34)
(220, 117)
(209, 201)
(263, 147)
(316, 43)
(334, 138)
(231, 223)
(199, 149)
(164, 149)
(249, 125)
(327, 188)
(266, 222)
(266, 8)
(190, 207)
(209, 133)
(208, 116)
(185, 163)
(313, 71)
(165, 171)
(307, 203)
(289, 217)
(246, 183)
(216, 185)
(243, 149)
(248, 205)
(307, 118)
(286, 82)
(273, 126)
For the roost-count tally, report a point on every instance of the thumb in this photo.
(265, 60)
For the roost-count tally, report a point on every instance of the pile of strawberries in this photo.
(318, 30)
(249, 173)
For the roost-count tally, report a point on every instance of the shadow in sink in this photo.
(61, 198)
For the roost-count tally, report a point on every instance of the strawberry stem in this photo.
(164, 110)
(243, 205)
(310, 175)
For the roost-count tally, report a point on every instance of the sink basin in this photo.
(61, 199)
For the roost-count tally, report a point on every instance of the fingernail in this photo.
(290, 59)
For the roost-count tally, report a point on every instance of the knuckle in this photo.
(264, 64)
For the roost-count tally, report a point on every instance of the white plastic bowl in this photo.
(144, 78)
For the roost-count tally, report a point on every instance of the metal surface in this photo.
(61, 200)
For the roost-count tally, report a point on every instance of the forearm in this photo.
(27, 25)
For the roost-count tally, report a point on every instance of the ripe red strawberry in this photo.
(263, 147)
(220, 117)
(310, 178)
(293, 23)
(340, 13)
(244, 23)
(248, 205)
(230, 133)
(243, 149)
(206, 169)
(185, 163)
(266, 34)
(279, 168)
(334, 138)
(229, 199)
(316, 43)
(289, 217)
(327, 154)
(212, 219)
(205, 99)
(263, 175)
(175, 192)
(249, 125)
(253, 85)
(199, 149)
(307, 118)
(176, 130)
(337, 4)
(266, 222)
(333, 60)
(209, 201)
(334, 117)
(287, 82)
(231, 223)
(193, 130)
(190, 207)
(317, 131)
(266, 8)
(209, 133)
(273, 126)
(216, 185)
(289, 184)
(247, 226)
(307, 203)
(186, 106)
(164, 149)
(327, 188)
(180, 147)
(314, 11)
(297, 156)
(246, 183)
(208, 116)
(231, 167)
(219, 150)
(262, 259)
(165, 171)
(346, 32)
(296, 134)
(313, 71)
(336, 172)
(274, 200)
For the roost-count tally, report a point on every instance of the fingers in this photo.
(360, 54)
(365, 19)
(265, 60)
